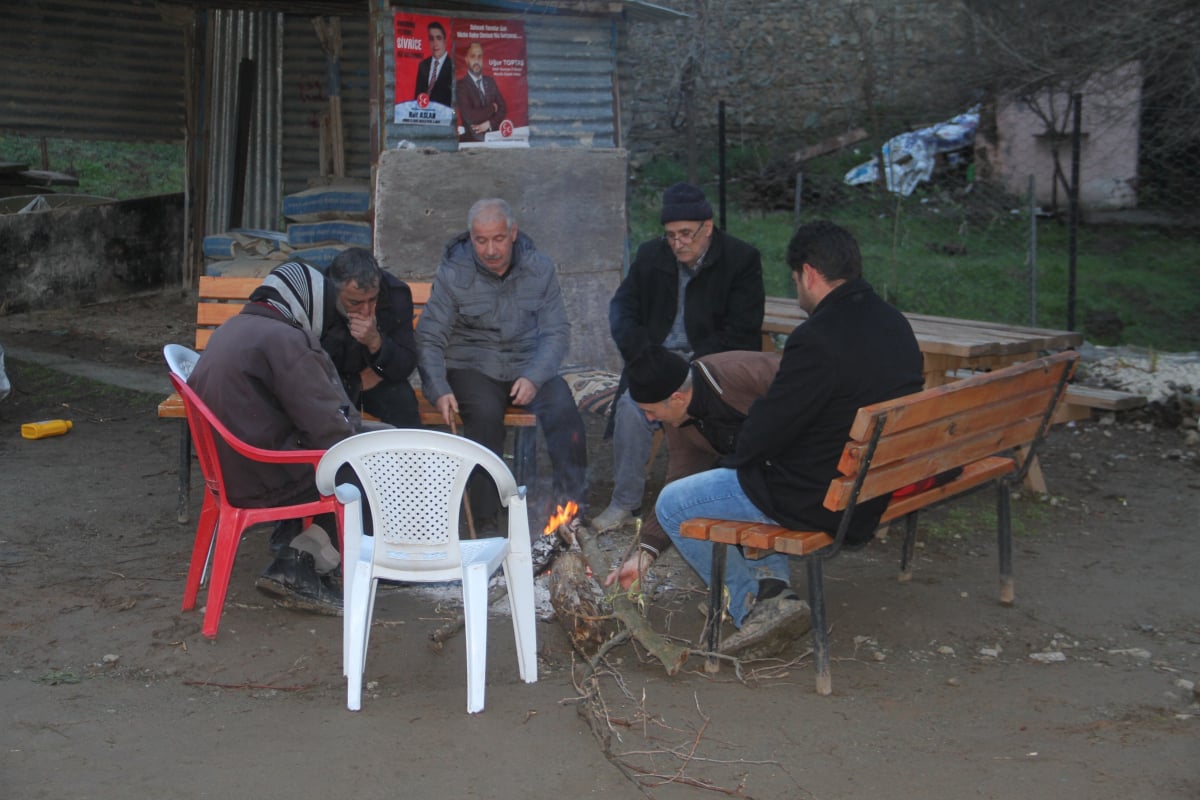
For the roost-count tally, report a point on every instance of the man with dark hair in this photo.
(435, 74)
(696, 291)
(853, 350)
(495, 332)
(369, 336)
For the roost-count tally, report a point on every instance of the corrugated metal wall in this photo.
(232, 37)
(306, 97)
(572, 65)
(91, 69)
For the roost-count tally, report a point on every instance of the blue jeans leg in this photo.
(633, 436)
(717, 493)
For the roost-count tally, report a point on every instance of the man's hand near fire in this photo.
(632, 570)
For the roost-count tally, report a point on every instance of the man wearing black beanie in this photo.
(695, 291)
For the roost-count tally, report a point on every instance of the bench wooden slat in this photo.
(973, 475)
(898, 474)
(954, 397)
(960, 426)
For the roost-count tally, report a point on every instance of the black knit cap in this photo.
(655, 374)
(684, 202)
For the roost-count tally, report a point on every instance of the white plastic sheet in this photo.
(910, 156)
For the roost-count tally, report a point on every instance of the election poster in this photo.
(491, 92)
(424, 70)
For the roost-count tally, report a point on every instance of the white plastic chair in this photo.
(180, 359)
(414, 482)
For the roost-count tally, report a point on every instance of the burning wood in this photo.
(560, 520)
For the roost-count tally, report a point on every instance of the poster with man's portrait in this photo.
(424, 70)
(491, 90)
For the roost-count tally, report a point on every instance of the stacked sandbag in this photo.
(322, 221)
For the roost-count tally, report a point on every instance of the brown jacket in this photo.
(724, 385)
(274, 387)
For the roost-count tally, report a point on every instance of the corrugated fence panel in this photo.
(234, 36)
(91, 69)
(306, 98)
(572, 65)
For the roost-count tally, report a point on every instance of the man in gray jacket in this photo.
(495, 332)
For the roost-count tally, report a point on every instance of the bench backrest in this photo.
(221, 298)
(949, 426)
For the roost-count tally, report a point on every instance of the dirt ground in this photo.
(1083, 689)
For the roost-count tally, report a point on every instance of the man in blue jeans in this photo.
(853, 350)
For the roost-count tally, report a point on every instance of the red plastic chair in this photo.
(221, 519)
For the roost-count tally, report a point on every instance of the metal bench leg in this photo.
(185, 472)
(525, 455)
(820, 633)
(1004, 541)
(906, 552)
(716, 607)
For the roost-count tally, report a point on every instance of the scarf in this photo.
(297, 291)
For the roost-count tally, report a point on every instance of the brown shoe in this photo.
(770, 627)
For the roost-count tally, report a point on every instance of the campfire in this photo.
(558, 522)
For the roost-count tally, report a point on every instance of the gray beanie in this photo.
(684, 202)
(655, 375)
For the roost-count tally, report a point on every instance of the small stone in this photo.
(111, 658)
(1053, 656)
(990, 652)
(878, 656)
(946, 650)
(1135, 652)
(953, 682)
(1185, 684)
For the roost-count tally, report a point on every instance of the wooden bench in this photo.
(973, 424)
(221, 298)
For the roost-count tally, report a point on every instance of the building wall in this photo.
(72, 256)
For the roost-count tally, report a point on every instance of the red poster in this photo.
(425, 70)
(491, 91)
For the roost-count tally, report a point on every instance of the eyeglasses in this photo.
(682, 237)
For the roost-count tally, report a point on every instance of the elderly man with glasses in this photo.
(696, 291)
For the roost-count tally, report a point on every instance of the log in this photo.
(624, 609)
(579, 606)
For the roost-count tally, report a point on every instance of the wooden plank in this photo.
(1103, 399)
(890, 477)
(937, 434)
(801, 543)
(696, 528)
(915, 410)
(973, 475)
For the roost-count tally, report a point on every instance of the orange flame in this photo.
(562, 516)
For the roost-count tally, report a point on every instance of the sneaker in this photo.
(770, 627)
(611, 518)
(293, 581)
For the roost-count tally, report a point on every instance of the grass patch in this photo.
(121, 170)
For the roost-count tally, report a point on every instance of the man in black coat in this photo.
(853, 350)
(369, 336)
(439, 65)
(696, 291)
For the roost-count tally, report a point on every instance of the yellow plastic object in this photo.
(46, 428)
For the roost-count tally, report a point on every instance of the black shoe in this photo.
(293, 581)
(285, 531)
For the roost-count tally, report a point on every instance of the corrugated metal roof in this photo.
(91, 69)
